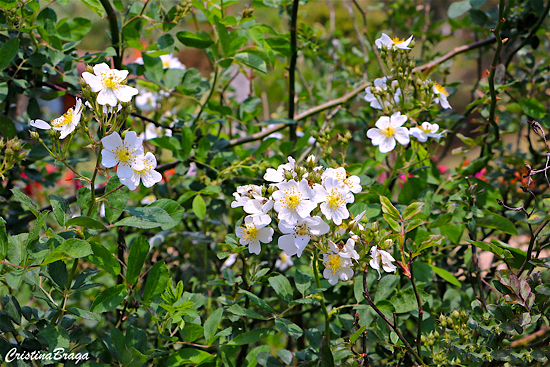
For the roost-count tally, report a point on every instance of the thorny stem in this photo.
(323, 305)
(292, 68)
(367, 296)
(494, 64)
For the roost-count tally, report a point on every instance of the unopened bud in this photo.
(34, 135)
(89, 69)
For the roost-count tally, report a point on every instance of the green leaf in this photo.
(86, 222)
(71, 248)
(303, 281)
(96, 6)
(325, 354)
(73, 29)
(166, 41)
(85, 314)
(173, 209)
(157, 280)
(223, 37)
(104, 259)
(187, 138)
(83, 199)
(495, 221)
(25, 200)
(353, 338)
(3, 239)
(56, 337)
(257, 301)
(150, 213)
(191, 332)
(61, 209)
(188, 356)
(446, 275)
(412, 210)
(532, 108)
(253, 61)
(8, 52)
(252, 336)
(282, 287)
(389, 209)
(241, 311)
(116, 201)
(109, 299)
(200, 39)
(476, 4)
(289, 328)
(4, 89)
(211, 325)
(136, 259)
(386, 286)
(458, 8)
(199, 207)
(432, 240)
(38, 224)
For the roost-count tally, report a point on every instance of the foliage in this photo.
(425, 173)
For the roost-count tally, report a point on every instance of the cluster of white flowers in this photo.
(308, 203)
(385, 94)
(133, 166)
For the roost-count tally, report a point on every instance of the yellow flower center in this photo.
(388, 131)
(110, 80)
(123, 154)
(251, 233)
(397, 40)
(441, 89)
(333, 263)
(335, 199)
(63, 120)
(144, 171)
(301, 229)
(291, 199)
(166, 64)
(426, 130)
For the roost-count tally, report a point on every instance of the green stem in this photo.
(115, 36)
(420, 311)
(59, 314)
(92, 183)
(205, 100)
(323, 305)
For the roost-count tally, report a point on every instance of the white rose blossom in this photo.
(168, 62)
(347, 249)
(425, 131)
(292, 200)
(65, 124)
(252, 233)
(381, 256)
(388, 130)
(279, 174)
(148, 176)
(108, 83)
(441, 95)
(283, 262)
(393, 43)
(296, 236)
(251, 199)
(353, 183)
(375, 100)
(336, 266)
(128, 155)
(333, 198)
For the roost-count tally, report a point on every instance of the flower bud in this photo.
(455, 314)
(34, 135)
(90, 69)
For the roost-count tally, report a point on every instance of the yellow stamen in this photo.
(250, 234)
(441, 89)
(333, 263)
(301, 229)
(397, 40)
(63, 120)
(335, 199)
(291, 199)
(123, 154)
(388, 131)
(110, 80)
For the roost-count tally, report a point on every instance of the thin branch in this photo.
(115, 37)
(292, 67)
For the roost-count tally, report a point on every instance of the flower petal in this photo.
(40, 124)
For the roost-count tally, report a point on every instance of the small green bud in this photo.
(455, 314)
(34, 135)
(89, 69)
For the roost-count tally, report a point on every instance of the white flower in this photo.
(441, 94)
(279, 174)
(333, 198)
(251, 199)
(393, 43)
(108, 82)
(388, 130)
(384, 257)
(292, 201)
(283, 262)
(148, 176)
(336, 266)
(149, 199)
(110, 109)
(252, 233)
(147, 100)
(168, 62)
(65, 124)
(353, 183)
(346, 250)
(229, 261)
(128, 155)
(296, 236)
(425, 131)
(376, 101)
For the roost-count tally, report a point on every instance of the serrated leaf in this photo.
(25, 200)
